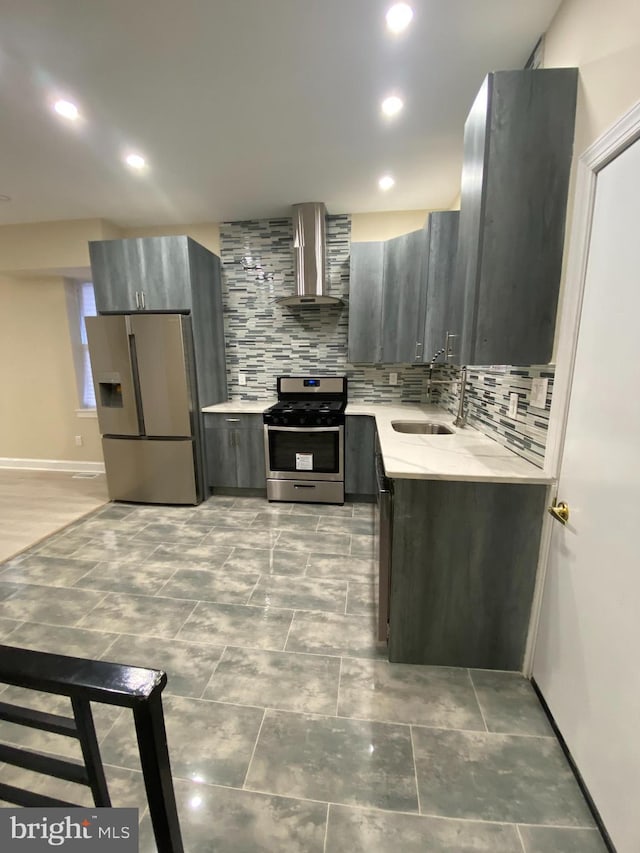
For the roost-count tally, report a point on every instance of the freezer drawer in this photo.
(150, 470)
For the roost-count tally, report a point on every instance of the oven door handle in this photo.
(305, 428)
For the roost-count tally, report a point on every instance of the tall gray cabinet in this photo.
(518, 142)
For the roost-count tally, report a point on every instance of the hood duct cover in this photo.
(309, 244)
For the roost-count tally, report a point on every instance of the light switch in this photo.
(393, 379)
(513, 406)
(242, 379)
(538, 396)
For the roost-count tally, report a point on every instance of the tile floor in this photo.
(288, 729)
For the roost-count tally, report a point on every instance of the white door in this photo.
(587, 652)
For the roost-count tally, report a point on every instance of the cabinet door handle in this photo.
(448, 350)
(418, 355)
(137, 299)
(232, 420)
(142, 298)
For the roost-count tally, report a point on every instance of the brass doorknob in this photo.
(560, 511)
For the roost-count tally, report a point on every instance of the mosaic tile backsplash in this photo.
(264, 340)
(487, 404)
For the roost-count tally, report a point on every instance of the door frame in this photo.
(623, 133)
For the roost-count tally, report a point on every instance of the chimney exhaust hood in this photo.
(309, 243)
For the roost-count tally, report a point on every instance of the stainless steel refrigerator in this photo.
(146, 399)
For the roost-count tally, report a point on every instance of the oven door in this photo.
(304, 453)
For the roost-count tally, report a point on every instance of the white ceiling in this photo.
(242, 107)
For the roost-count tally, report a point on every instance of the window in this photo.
(87, 306)
(81, 303)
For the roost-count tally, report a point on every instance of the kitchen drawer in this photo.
(232, 420)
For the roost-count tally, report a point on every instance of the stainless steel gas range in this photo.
(304, 440)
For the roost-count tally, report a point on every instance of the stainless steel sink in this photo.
(421, 428)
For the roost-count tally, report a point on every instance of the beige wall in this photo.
(51, 247)
(39, 395)
(383, 226)
(603, 41)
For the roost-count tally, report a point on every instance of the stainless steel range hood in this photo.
(309, 243)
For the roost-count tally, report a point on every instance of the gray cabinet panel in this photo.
(207, 319)
(471, 208)
(250, 462)
(235, 450)
(146, 273)
(517, 159)
(403, 294)
(444, 293)
(359, 464)
(463, 572)
(110, 264)
(221, 457)
(404, 278)
(365, 302)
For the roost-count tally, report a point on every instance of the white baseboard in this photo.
(53, 465)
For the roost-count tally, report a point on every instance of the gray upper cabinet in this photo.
(365, 302)
(403, 297)
(405, 261)
(518, 143)
(443, 295)
(146, 273)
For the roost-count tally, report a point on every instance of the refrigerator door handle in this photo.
(142, 299)
(137, 299)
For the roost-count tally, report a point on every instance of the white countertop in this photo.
(467, 454)
(241, 407)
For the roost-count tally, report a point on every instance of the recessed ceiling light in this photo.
(386, 182)
(392, 105)
(399, 17)
(136, 161)
(66, 109)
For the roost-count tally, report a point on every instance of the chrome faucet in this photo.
(461, 380)
(461, 417)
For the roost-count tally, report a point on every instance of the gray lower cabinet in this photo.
(359, 464)
(235, 451)
(463, 572)
(518, 146)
